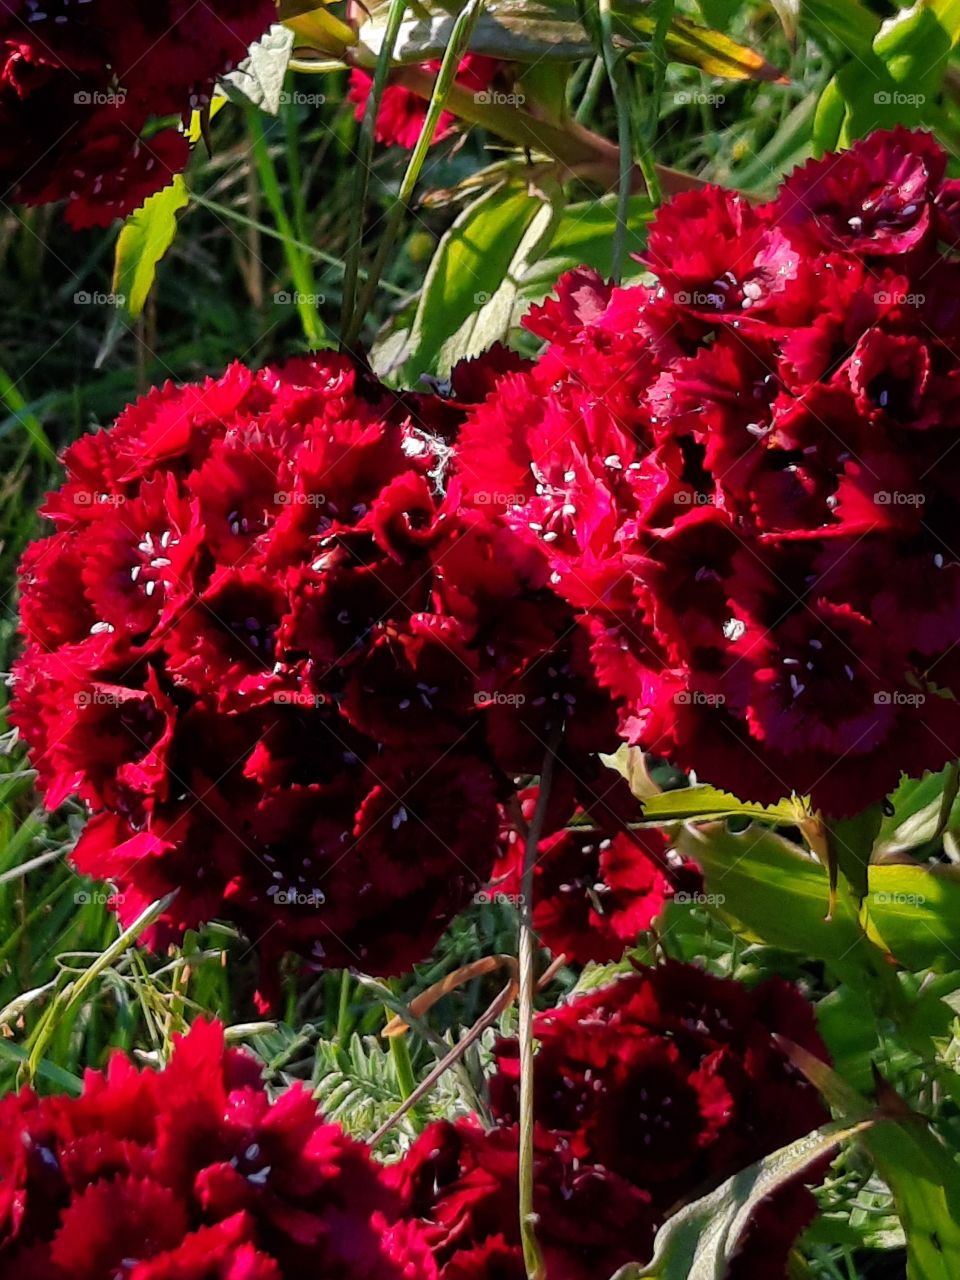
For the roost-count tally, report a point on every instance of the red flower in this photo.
(669, 1078)
(876, 199)
(193, 1174)
(290, 677)
(742, 481)
(460, 1185)
(79, 88)
(402, 112)
(595, 888)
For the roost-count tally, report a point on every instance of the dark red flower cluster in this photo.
(83, 81)
(743, 477)
(288, 677)
(193, 1174)
(402, 112)
(648, 1091)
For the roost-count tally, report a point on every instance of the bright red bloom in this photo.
(290, 679)
(743, 480)
(81, 87)
(878, 198)
(402, 112)
(193, 1174)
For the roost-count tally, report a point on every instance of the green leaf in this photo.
(923, 809)
(583, 236)
(921, 1173)
(472, 283)
(699, 1242)
(530, 30)
(697, 803)
(850, 841)
(145, 237)
(258, 81)
(546, 86)
(767, 888)
(914, 913)
(830, 115)
(702, 803)
(845, 23)
(894, 80)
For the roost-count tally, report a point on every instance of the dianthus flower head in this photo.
(597, 883)
(192, 1173)
(742, 477)
(79, 84)
(263, 647)
(671, 1079)
(459, 1185)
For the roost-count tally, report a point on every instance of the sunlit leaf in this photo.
(768, 889)
(471, 286)
(530, 30)
(146, 236)
(914, 913)
(922, 1174)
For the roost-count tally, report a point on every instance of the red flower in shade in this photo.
(596, 888)
(402, 112)
(670, 1080)
(647, 1092)
(742, 480)
(193, 1174)
(79, 87)
(289, 678)
(670, 1077)
(459, 1184)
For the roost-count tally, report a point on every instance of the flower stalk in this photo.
(532, 1255)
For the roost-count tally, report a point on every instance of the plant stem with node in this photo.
(532, 1257)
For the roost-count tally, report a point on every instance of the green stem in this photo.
(532, 1256)
(579, 152)
(291, 131)
(620, 87)
(591, 93)
(401, 1060)
(298, 263)
(364, 160)
(343, 1013)
(17, 405)
(664, 18)
(459, 40)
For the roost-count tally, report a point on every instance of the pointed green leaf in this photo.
(145, 237)
(530, 30)
(699, 1241)
(767, 888)
(914, 913)
(471, 285)
(922, 1174)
